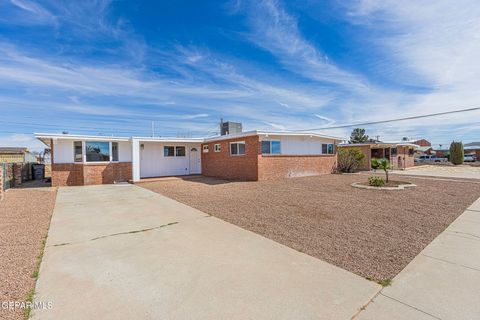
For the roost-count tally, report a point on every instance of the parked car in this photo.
(469, 158)
(430, 158)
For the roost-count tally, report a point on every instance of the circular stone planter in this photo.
(399, 187)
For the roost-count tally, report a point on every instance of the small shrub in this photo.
(376, 182)
(375, 164)
(456, 153)
(349, 159)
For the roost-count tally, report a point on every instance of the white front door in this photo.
(195, 161)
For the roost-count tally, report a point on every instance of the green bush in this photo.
(456, 152)
(376, 182)
(349, 159)
(375, 163)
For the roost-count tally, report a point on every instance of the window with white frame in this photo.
(97, 151)
(180, 151)
(328, 148)
(78, 151)
(205, 148)
(271, 147)
(114, 151)
(217, 147)
(168, 151)
(237, 148)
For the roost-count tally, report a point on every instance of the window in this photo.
(217, 147)
(271, 147)
(78, 151)
(237, 148)
(205, 148)
(168, 151)
(97, 151)
(327, 148)
(114, 151)
(330, 148)
(410, 152)
(180, 151)
(393, 151)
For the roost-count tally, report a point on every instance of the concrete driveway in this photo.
(124, 252)
(461, 172)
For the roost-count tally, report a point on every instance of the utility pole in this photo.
(378, 137)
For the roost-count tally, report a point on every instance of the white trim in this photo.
(219, 145)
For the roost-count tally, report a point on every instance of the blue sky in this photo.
(112, 67)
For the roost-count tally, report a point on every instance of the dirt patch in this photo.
(24, 220)
(389, 184)
(373, 233)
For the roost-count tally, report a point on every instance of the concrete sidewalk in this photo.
(459, 172)
(123, 252)
(442, 282)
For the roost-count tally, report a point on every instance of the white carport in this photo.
(157, 157)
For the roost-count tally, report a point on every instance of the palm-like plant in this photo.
(385, 166)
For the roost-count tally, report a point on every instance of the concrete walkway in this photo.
(442, 282)
(123, 252)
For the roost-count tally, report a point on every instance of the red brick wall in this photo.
(223, 165)
(73, 174)
(402, 153)
(288, 166)
(67, 174)
(368, 156)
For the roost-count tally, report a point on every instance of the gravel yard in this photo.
(24, 219)
(373, 233)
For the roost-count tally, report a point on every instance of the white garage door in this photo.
(168, 159)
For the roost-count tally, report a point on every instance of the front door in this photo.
(195, 162)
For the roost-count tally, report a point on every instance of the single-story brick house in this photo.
(252, 155)
(400, 154)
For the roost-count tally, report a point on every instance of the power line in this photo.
(389, 120)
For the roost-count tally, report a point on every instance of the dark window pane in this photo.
(394, 151)
(77, 151)
(180, 151)
(233, 148)
(97, 151)
(330, 149)
(324, 149)
(114, 151)
(276, 147)
(241, 148)
(266, 147)
(168, 151)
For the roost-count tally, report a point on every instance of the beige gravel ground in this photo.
(24, 220)
(373, 233)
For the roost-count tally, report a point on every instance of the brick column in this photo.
(17, 173)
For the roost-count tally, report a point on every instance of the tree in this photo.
(405, 139)
(382, 164)
(456, 152)
(358, 136)
(349, 159)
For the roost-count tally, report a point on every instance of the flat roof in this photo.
(379, 144)
(272, 133)
(160, 139)
(45, 137)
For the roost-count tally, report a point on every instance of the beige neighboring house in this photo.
(16, 155)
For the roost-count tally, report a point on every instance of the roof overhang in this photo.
(173, 140)
(46, 138)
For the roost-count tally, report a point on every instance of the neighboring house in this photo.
(400, 154)
(422, 143)
(253, 155)
(472, 148)
(16, 155)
